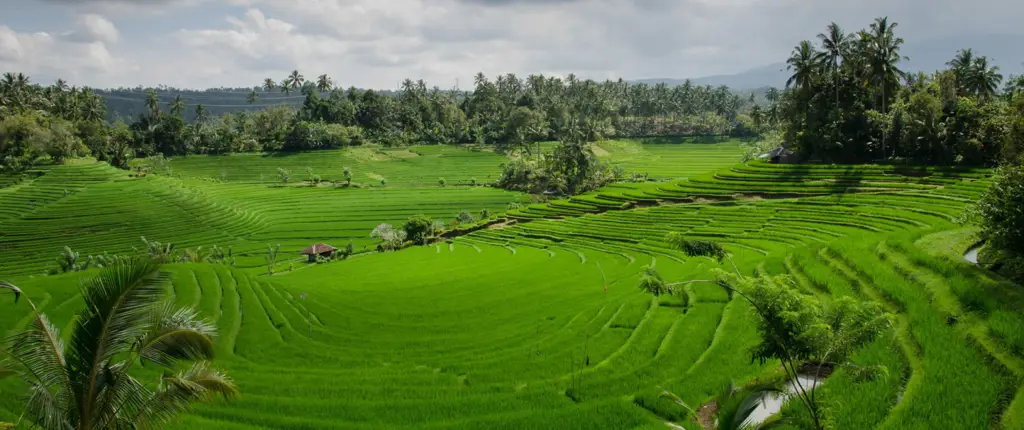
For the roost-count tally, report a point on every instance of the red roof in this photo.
(318, 249)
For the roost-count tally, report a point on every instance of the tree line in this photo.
(508, 112)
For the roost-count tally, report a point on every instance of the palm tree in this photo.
(269, 85)
(804, 62)
(983, 80)
(883, 60)
(285, 87)
(89, 383)
(153, 104)
(201, 114)
(61, 85)
(253, 97)
(961, 65)
(324, 84)
(177, 106)
(295, 80)
(835, 44)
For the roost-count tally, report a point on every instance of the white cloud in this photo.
(80, 54)
(91, 27)
(377, 43)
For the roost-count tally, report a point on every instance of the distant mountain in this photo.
(1003, 50)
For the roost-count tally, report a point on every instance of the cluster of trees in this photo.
(509, 113)
(571, 168)
(848, 101)
(57, 121)
(420, 230)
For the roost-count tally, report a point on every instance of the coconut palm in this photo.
(883, 61)
(285, 87)
(804, 63)
(177, 106)
(127, 321)
(983, 80)
(269, 85)
(295, 80)
(961, 65)
(324, 84)
(835, 43)
(252, 98)
(153, 104)
(201, 114)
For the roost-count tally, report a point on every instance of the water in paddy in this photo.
(771, 402)
(972, 254)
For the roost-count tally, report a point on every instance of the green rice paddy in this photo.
(536, 323)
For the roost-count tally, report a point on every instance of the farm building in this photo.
(318, 250)
(780, 155)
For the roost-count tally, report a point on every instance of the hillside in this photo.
(536, 321)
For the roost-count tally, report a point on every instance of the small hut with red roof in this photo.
(317, 250)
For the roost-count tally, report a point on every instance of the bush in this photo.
(1000, 211)
(465, 217)
(417, 228)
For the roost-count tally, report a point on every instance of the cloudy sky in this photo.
(377, 43)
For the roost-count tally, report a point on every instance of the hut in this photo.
(780, 155)
(318, 250)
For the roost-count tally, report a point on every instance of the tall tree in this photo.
(835, 43)
(961, 65)
(177, 106)
(252, 97)
(324, 84)
(295, 80)
(153, 104)
(804, 62)
(269, 85)
(883, 63)
(89, 383)
(982, 80)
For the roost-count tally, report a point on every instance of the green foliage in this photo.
(89, 383)
(465, 217)
(390, 238)
(441, 182)
(652, 283)
(283, 174)
(417, 228)
(999, 210)
(347, 172)
(271, 257)
(848, 103)
(696, 248)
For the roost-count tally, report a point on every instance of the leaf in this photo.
(8, 286)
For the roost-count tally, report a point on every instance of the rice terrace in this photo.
(541, 252)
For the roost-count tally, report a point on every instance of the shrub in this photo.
(1000, 210)
(417, 228)
(464, 217)
(441, 182)
(284, 174)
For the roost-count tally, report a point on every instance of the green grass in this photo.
(537, 324)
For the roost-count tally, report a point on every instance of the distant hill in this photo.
(1002, 50)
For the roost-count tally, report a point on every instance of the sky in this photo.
(378, 43)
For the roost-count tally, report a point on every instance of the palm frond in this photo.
(10, 287)
(40, 351)
(177, 392)
(119, 302)
(46, 410)
(177, 335)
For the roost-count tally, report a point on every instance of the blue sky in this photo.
(377, 43)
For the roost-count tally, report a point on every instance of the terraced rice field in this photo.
(538, 323)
